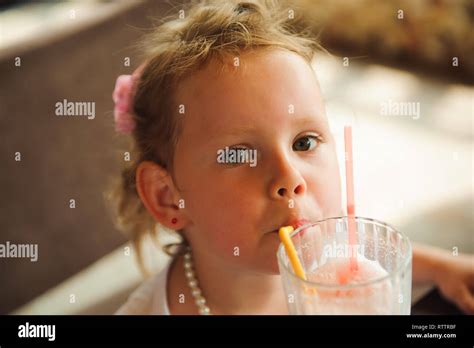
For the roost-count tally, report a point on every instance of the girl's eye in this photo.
(236, 155)
(306, 143)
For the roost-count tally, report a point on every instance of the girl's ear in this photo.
(160, 195)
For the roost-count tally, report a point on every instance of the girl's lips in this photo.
(298, 223)
(295, 224)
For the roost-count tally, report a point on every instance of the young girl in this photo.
(233, 76)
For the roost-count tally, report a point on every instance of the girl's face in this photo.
(270, 103)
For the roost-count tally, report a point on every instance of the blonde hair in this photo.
(174, 49)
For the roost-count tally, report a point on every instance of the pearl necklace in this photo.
(193, 283)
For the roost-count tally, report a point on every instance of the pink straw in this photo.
(350, 195)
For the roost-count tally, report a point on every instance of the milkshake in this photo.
(381, 283)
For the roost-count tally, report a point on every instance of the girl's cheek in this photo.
(235, 221)
(233, 246)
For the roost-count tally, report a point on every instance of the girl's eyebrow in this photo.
(238, 131)
(308, 119)
(234, 132)
(298, 121)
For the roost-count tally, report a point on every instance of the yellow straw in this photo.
(284, 234)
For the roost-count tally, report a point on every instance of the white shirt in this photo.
(149, 298)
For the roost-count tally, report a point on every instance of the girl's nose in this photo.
(287, 182)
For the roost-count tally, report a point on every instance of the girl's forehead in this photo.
(264, 80)
(249, 64)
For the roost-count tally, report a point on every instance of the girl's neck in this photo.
(227, 290)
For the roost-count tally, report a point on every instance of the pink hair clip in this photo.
(123, 98)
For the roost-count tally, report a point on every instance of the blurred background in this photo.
(400, 72)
